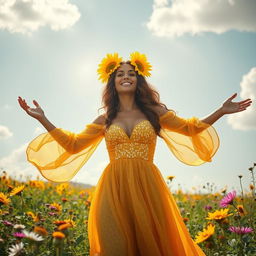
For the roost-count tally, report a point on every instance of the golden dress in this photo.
(132, 212)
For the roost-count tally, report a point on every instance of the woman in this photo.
(132, 211)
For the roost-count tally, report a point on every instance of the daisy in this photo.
(15, 249)
(33, 236)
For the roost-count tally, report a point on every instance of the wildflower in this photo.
(52, 213)
(59, 222)
(7, 223)
(4, 199)
(19, 235)
(17, 191)
(170, 178)
(55, 206)
(37, 184)
(185, 219)
(208, 207)
(40, 230)
(205, 234)
(15, 249)
(19, 226)
(65, 226)
(228, 199)
(240, 230)
(218, 214)
(224, 190)
(33, 216)
(58, 235)
(63, 199)
(32, 236)
(241, 210)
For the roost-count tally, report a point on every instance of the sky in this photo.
(201, 52)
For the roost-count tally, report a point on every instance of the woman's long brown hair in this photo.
(145, 98)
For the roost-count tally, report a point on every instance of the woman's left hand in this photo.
(230, 107)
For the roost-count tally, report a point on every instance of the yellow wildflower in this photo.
(4, 199)
(205, 234)
(219, 214)
(17, 191)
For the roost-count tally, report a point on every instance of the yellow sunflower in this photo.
(139, 61)
(4, 199)
(205, 234)
(108, 65)
(218, 214)
(17, 190)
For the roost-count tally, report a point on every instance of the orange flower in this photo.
(185, 219)
(40, 230)
(65, 226)
(58, 235)
(241, 210)
(37, 184)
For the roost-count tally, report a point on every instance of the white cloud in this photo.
(246, 120)
(5, 133)
(178, 17)
(26, 16)
(16, 165)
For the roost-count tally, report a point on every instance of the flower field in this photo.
(42, 218)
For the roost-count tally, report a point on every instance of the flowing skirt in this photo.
(133, 213)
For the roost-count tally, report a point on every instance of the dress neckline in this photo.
(133, 129)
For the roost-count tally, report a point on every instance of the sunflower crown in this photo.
(112, 61)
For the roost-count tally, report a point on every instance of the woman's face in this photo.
(126, 79)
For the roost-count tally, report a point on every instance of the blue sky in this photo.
(201, 54)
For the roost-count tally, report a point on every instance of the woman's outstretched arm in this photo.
(36, 113)
(228, 107)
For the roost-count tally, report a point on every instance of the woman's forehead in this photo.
(125, 67)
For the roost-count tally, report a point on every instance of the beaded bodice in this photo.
(141, 144)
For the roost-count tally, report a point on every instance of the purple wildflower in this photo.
(52, 213)
(207, 207)
(240, 230)
(19, 235)
(228, 199)
(7, 223)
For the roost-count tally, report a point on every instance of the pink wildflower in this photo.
(240, 230)
(19, 235)
(52, 213)
(228, 199)
(7, 223)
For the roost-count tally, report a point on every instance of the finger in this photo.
(245, 104)
(233, 96)
(247, 100)
(36, 103)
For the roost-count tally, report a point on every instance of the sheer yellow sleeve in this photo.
(60, 154)
(192, 141)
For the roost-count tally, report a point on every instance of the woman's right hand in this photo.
(36, 112)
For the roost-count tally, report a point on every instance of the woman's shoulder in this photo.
(101, 119)
(160, 110)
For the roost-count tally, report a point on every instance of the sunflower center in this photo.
(110, 66)
(139, 65)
